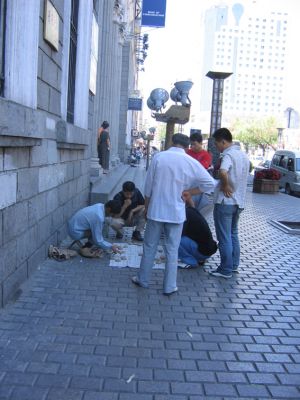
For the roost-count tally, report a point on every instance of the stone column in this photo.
(95, 168)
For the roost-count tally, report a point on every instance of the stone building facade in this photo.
(66, 65)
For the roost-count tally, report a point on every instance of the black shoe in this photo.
(119, 235)
(137, 236)
(170, 293)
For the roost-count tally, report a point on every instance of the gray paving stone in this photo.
(168, 375)
(262, 378)
(219, 389)
(119, 385)
(28, 393)
(255, 391)
(46, 367)
(5, 391)
(56, 381)
(18, 378)
(154, 387)
(187, 388)
(82, 329)
(92, 395)
(231, 377)
(85, 383)
(65, 394)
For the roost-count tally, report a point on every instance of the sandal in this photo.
(60, 254)
(89, 252)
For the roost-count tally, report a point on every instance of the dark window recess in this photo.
(2, 44)
(72, 60)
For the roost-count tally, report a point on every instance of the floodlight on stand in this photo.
(159, 97)
(150, 104)
(175, 95)
(184, 88)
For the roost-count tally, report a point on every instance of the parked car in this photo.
(288, 164)
(263, 165)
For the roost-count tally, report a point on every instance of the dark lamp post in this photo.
(216, 108)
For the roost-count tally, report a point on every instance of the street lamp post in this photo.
(216, 108)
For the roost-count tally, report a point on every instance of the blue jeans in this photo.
(188, 252)
(226, 218)
(172, 234)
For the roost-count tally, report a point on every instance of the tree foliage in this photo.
(260, 132)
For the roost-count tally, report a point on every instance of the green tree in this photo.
(161, 131)
(261, 132)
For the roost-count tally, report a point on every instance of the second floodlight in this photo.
(180, 93)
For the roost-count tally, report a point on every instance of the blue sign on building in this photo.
(154, 13)
(134, 103)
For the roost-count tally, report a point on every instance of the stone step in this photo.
(105, 188)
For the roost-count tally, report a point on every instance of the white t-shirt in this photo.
(235, 162)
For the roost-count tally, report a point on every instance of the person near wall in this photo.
(197, 243)
(169, 174)
(88, 223)
(132, 205)
(103, 146)
(229, 201)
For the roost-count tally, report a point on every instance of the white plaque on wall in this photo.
(51, 25)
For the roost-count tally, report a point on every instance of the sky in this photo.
(175, 52)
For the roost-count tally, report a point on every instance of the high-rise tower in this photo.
(252, 43)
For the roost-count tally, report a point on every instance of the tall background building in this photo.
(254, 44)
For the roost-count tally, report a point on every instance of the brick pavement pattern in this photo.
(81, 331)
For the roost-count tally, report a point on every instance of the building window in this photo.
(72, 60)
(2, 43)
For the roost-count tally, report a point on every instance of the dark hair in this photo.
(128, 186)
(105, 124)
(114, 206)
(196, 137)
(181, 139)
(222, 134)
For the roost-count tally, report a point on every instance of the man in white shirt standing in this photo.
(229, 200)
(170, 173)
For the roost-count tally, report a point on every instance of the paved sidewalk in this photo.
(81, 331)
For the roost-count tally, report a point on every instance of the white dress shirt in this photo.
(170, 173)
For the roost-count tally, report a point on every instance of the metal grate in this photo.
(292, 227)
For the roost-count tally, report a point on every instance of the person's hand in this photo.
(115, 248)
(127, 202)
(145, 212)
(186, 196)
(227, 190)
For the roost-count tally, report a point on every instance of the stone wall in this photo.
(44, 171)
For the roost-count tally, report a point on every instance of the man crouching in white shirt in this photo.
(170, 173)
